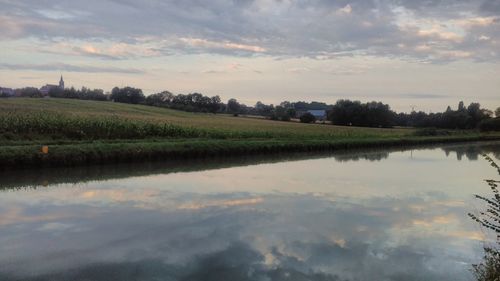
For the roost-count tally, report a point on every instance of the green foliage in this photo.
(489, 125)
(463, 118)
(355, 113)
(127, 95)
(489, 268)
(282, 114)
(431, 132)
(82, 94)
(30, 92)
(233, 107)
(194, 102)
(307, 118)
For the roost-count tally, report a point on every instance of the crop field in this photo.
(77, 119)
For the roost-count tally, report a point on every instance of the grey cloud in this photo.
(423, 96)
(298, 28)
(490, 7)
(69, 68)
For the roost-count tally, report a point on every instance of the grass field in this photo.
(80, 132)
(220, 124)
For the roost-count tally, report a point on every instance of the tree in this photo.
(461, 106)
(56, 92)
(263, 109)
(476, 114)
(30, 92)
(160, 99)
(497, 112)
(215, 104)
(372, 114)
(127, 95)
(233, 107)
(307, 118)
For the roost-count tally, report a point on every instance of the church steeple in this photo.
(61, 83)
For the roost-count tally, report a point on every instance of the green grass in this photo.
(84, 132)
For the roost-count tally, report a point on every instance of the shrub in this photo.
(307, 118)
(489, 268)
(431, 132)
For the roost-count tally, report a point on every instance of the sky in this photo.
(411, 54)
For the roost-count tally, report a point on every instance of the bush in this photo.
(431, 132)
(307, 118)
(492, 124)
(285, 118)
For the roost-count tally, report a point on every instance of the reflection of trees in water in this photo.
(48, 176)
(370, 156)
(60, 175)
(472, 152)
(489, 268)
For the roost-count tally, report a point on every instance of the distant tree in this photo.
(30, 92)
(214, 104)
(263, 109)
(56, 92)
(304, 106)
(127, 95)
(461, 106)
(164, 98)
(307, 118)
(81, 94)
(497, 112)
(476, 114)
(491, 124)
(233, 107)
(372, 114)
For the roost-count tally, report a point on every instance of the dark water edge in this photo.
(42, 177)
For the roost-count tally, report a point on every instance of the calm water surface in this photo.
(384, 215)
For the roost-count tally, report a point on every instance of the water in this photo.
(380, 215)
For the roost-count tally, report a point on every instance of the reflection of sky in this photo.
(401, 218)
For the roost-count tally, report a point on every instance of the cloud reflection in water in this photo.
(240, 224)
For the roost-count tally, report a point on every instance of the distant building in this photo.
(7, 92)
(46, 89)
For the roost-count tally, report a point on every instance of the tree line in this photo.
(344, 112)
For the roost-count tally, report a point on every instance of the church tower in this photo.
(61, 83)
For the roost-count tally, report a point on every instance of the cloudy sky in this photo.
(425, 54)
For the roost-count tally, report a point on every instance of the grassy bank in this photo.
(85, 132)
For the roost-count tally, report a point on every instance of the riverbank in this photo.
(76, 132)
(41, 177)
(119, 151)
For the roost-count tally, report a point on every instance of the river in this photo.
(362, 215)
